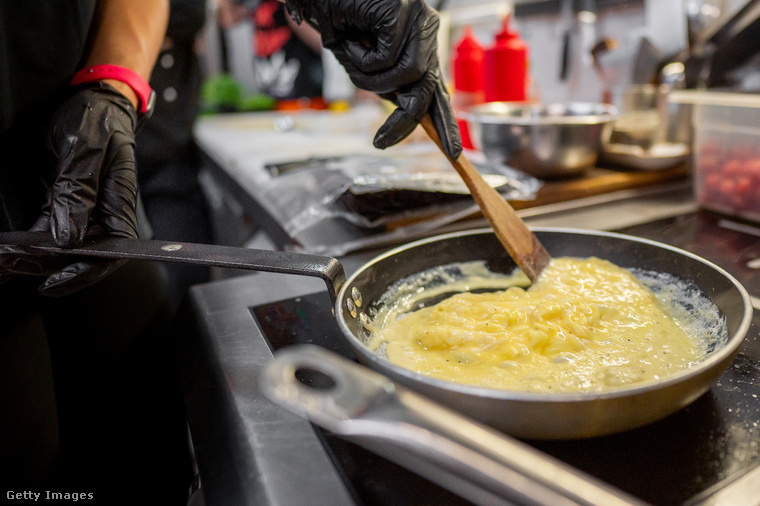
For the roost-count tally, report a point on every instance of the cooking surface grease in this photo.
(585, 325)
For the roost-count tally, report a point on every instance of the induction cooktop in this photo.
(685, 458)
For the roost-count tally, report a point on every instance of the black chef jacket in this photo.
(38, 57)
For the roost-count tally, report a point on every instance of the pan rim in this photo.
(725, 353)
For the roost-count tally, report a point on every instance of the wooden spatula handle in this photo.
(521, 244)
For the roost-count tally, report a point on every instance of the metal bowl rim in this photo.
(474, 114)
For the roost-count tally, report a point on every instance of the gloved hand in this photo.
(389, 47)
(95, 191)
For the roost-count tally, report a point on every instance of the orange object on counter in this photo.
(317, 103)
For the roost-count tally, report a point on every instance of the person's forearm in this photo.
(306, 33)
(128, 33)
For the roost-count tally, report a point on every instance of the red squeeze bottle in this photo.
(506, 67)
(468, 79)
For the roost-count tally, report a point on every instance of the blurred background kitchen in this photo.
(635, 116)
(630, 54)
(640, 35)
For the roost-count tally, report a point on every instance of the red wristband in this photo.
(126, 76)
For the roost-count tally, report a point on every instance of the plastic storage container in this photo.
(725, 150)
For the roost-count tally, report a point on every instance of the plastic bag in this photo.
(378, 192)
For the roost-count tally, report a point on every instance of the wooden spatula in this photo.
(521, 244)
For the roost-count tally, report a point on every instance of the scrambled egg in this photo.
(584, 325)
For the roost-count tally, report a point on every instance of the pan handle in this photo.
(326, 268)
(470, 459)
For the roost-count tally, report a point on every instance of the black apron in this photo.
(38, 56)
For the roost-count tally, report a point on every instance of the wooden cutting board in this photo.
(599, 181)
(596, 181)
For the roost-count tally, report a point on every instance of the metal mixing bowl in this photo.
(544, 140)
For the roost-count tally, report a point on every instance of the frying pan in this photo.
(521, 414)
(554, 415)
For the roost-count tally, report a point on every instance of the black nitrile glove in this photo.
(389, 47)
(95, 191)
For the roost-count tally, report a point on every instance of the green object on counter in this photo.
(221, 93)
(258, 102)
(224, 93)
